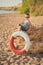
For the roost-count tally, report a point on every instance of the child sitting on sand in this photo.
(26, 25)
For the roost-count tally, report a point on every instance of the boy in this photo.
(26, 25)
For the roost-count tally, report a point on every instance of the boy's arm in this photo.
(30, 24)
(30, 27)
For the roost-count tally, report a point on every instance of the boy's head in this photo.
(27, 15)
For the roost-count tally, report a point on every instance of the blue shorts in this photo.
(25, 27)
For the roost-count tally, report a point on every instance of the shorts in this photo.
(25, 27)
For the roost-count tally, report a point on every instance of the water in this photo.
(5, 12)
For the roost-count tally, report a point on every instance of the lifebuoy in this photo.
(27, 42)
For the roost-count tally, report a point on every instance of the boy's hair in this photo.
(27, 14)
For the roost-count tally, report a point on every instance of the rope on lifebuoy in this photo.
(27, 42)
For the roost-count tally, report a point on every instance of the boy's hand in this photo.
(19, 24)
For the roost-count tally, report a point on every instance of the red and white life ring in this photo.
(27, 42)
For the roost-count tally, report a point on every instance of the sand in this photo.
(9, 23)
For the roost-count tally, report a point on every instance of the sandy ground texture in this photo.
(9, 24)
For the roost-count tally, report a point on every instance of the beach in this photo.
(9, 23)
